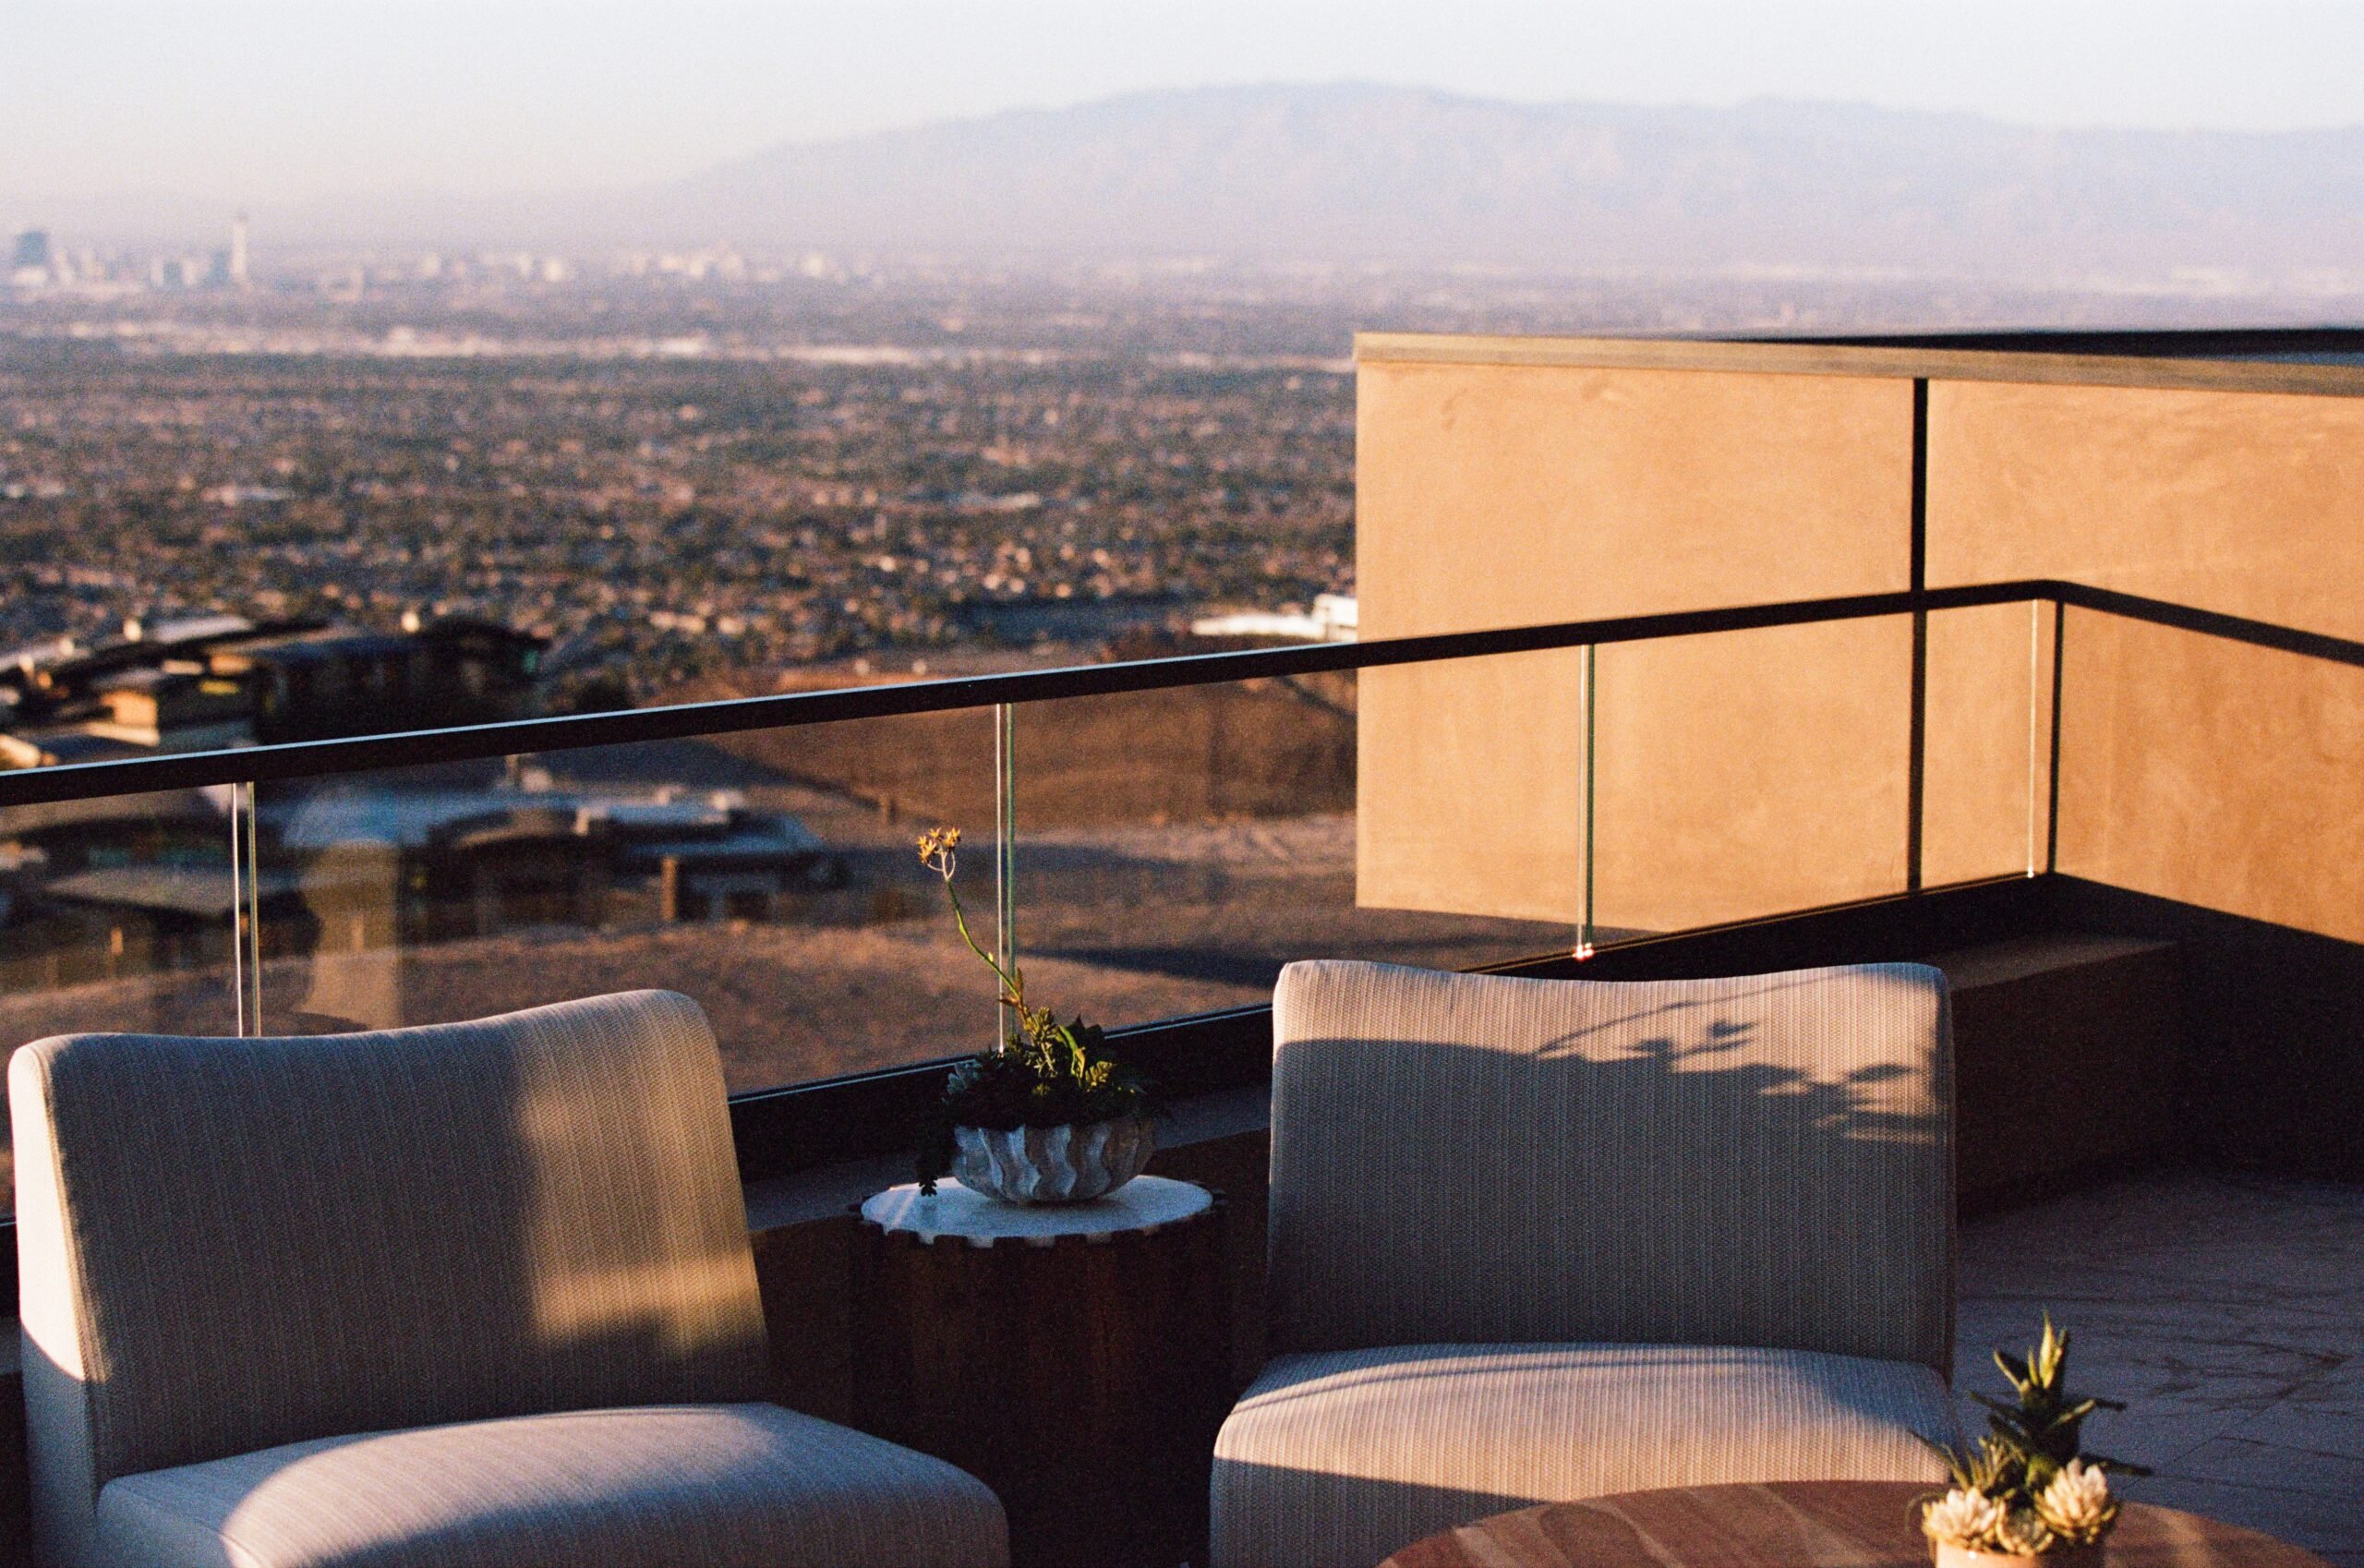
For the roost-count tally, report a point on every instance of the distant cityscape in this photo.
(41, 265)
(257, 487)
(36, 263)
(669, 466)
(677, 466)
(249, 496)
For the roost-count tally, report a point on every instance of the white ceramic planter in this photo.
(2063, 1557)
(1052, 1164)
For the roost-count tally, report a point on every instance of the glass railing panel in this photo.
(1177, 847)
(2212, 773)
(769, 875)
(119, 915)
(1751, 774)
(1987, 780)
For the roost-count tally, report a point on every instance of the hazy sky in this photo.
(264, 101)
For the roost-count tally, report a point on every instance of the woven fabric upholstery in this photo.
(731, 1485)
(1472, 1159)
(228, 1245)
(1343, 1458)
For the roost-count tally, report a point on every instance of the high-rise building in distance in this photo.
(31, 249)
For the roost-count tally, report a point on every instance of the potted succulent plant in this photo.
(1049, 1115)
(2028, 1496)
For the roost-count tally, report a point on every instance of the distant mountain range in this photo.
(1360, 173)
(1347, 175)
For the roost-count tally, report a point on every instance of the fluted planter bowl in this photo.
(1950, 1556)
(1052, 1164)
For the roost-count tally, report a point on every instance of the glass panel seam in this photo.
(2036, 661)
(1004, 857)
(1588, 701)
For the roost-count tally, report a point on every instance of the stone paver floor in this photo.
(2226, 1311)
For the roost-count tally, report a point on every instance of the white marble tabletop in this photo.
(1143, 1203)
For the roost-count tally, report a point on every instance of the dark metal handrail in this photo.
(306, 759)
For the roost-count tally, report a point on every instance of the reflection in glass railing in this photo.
(1176, 847)
(768, 875)
(122, 914)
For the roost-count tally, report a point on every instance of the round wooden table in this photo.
(1796, 1524)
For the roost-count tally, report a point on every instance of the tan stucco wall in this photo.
(2198, 769)
(2251, 503)
(1469, 788)
(1752, 773)
(2213, 773)
(1493, 495)
(1987, 798)
(1735, 775)
(1506, 482)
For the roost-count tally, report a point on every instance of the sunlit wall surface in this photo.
(1504, 482)
(1731, 776)
(2191, 768)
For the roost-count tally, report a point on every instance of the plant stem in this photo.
(1013, 981)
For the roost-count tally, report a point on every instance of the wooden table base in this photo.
(1796, 1524)
(1082, 1380)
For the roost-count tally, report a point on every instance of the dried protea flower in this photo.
(2077, 1505)
(1963, 1517)
(2022, 1534)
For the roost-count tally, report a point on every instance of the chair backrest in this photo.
(226, 1245)
(1475, 1159)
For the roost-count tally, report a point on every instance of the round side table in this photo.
(1074, 1358)
(1797, 1524)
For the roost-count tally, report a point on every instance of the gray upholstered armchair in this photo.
(472, 1296)
(1540, 1240)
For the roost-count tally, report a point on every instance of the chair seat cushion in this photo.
(721, 1485)
(1346, 1456)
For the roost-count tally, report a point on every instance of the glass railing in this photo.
(127, 913)
(1174, 847)
(766, 873)
(1753, 773)
(1986, 773)
(1153, 841)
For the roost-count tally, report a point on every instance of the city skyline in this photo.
(1351, 177)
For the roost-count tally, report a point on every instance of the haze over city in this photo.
(271, 101)
(723, 338)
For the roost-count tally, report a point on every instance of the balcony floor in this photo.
(2227, 1311)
